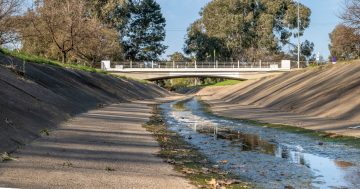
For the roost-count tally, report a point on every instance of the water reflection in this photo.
(329, 172)
(251, 142)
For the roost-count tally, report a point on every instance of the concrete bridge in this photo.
(167, 70)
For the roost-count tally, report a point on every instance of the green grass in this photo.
(187, 159)
(44, 132)
(41, 60)
(6, 157)
(317, 135)
(226, 83)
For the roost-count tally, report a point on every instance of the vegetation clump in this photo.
(45, 132)
(109, 169)
(6, 157)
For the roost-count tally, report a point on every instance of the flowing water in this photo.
(267, 157)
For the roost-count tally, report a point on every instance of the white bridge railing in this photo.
(147, 65)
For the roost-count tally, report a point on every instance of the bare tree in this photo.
(351, 14)
(345, 43)
(64, 23)
(8, 9)
(101, 42)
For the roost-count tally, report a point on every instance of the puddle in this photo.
(356, 127)
(265, 156)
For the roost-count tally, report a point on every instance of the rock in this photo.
(289, 187)
(171, 161)
(212, 182)
(223, 161)
(204, 161)
(188, 171)
(205, 170)
(229, 182)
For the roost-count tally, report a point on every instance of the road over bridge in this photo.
(156, 71)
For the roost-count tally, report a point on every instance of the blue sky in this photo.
(181, 13)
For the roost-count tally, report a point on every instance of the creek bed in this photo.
(267, 157)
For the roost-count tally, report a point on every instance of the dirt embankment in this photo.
(331, 92)
(45, 96)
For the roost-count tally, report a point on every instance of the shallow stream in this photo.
(267, 157)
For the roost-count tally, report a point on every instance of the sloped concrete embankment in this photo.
(325, 98)
(46, 95)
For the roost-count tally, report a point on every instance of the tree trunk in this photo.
(64, 57)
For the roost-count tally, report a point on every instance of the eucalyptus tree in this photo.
(253, 29)
(203, 47)
(115, 13)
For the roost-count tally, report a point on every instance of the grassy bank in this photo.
(225, 83)
(188, 160)
(41, 60)
(318, 135)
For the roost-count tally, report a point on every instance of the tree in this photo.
(203, 47)
(178, 57)
(8, 9)
(60, 29)
(351, 14)
(103, 43)
(61, 22)
(253, 29)
(115, 13)
(307, 49)
(145, 32)
(345, 43)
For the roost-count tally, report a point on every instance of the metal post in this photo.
(298, 22)
(238, 63)
(131, 64)
(152, 64)
(260, 64)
